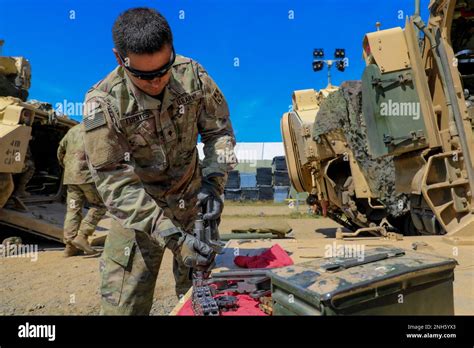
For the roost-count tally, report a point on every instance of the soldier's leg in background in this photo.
(24, 178)
(129, 268)
(89, 223)
(72, 221)
(96, 211)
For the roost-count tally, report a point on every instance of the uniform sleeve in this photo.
(62, 150)
(112, 168)
(216, 131)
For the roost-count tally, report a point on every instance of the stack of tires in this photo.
(281, 179)
(268, 184)
(264, 184)
(249, 187)
(232, 190)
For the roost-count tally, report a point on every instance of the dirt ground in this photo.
(53, 285)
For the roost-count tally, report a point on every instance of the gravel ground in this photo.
(54, 285)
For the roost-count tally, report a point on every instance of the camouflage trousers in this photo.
(74, 223)
(131, 262)
(22, 179)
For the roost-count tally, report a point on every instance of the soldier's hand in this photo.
(193, 252)
(209, 199)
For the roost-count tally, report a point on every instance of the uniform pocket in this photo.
(123, 253)
(187, 127)
(146, 147)
(118, 254)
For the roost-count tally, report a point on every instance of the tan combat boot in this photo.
(71, 250)
(81, 243)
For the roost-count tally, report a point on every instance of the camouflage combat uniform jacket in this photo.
(72, 157)
(142, 151)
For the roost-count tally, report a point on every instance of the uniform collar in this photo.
(144, 101)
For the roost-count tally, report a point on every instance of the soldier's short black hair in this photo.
(141, 30)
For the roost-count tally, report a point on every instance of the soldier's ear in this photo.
(117, 57)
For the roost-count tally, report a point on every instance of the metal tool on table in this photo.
(227, 303)
(206, 231)
(254, 282)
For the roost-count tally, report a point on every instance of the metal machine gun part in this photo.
(203, 302)
(206, 232)
(256, 283)
(227, 303)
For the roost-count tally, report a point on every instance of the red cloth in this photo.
(271, 258)
(247, 306)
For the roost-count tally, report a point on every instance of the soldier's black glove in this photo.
(209, 199)
(193, 252)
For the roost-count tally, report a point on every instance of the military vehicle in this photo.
(393, 153)
(30, 175)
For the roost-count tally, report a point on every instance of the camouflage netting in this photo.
(8, 88)
(342, 110)
(43, 106)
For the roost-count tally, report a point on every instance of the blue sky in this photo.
(275, 52)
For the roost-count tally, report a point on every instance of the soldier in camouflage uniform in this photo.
(80, 189)
(141, 128)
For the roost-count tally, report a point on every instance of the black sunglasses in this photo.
(150, 75)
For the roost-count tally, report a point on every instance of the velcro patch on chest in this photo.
(94, 120)
(140, 116)
(187, 98)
